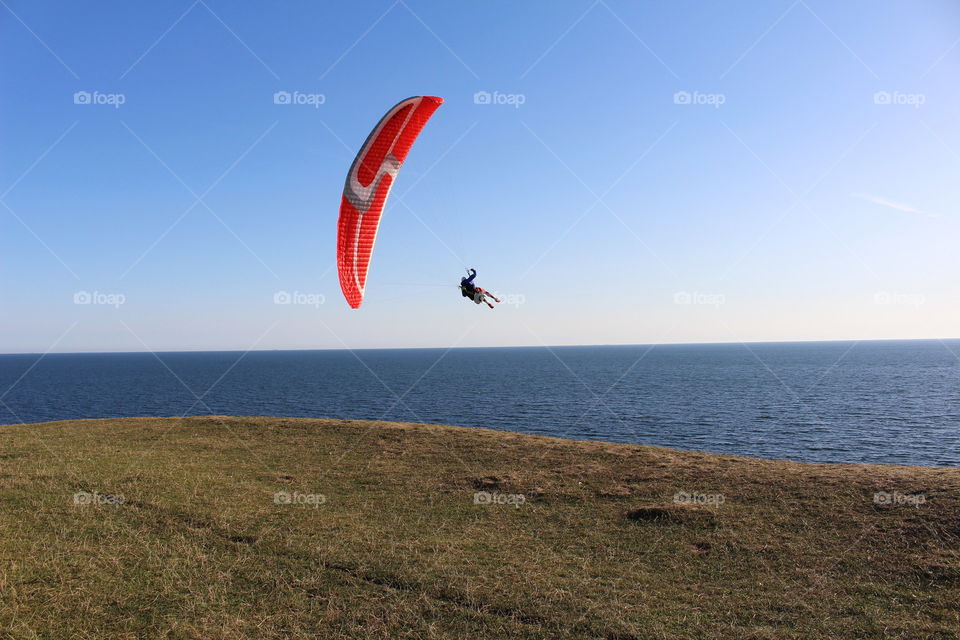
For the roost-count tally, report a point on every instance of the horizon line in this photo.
(521, 346)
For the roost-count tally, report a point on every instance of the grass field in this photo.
(222, 527)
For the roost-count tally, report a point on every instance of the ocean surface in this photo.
(874, 402)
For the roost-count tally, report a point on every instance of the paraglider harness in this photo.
(467, 288)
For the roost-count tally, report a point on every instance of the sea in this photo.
(888, 402)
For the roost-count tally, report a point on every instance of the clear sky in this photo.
(648, 172)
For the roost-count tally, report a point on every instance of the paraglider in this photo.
(367, 186)
(473, 292)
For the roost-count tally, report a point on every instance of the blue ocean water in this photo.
(874, 402)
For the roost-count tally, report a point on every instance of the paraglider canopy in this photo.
(368, 185)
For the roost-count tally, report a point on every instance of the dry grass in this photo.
(598, 549)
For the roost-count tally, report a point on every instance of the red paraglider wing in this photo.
(368, 185)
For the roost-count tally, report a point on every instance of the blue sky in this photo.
(675, 172)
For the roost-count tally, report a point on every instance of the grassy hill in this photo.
(221, 527)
